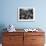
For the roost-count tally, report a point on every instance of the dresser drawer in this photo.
(37, 39)
(13, 33)
(34, 33)
(12, 39)
(37, 44)
(13, 44)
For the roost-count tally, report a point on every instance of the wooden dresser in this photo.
(23, 39)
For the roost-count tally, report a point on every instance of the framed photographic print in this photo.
(26, 14)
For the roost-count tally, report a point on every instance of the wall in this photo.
(8, 9)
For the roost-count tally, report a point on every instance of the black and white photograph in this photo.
(26, 14)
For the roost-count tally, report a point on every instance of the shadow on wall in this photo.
(2, 26)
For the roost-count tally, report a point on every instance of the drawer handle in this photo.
(33, 39)
(11, 38)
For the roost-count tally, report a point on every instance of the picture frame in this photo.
(26, 14)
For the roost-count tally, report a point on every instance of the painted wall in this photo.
(8, 13)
